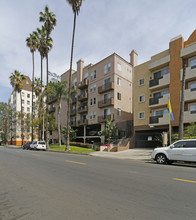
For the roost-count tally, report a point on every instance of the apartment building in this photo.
(14, 101)
(157, 80)
(103, 92)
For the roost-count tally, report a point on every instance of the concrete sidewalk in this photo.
(133, 154)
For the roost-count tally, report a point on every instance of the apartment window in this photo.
(95, 74)
(28, 95)
(94, 88)
(107, 112)
(91, 89)
(28, 109)
(109, 67)
(141, 115)
(106, 81)
(118, 96)
(91, 115)
(193, 63)
(119, 66)
(119, 111)
(160, 112)
(106, 97)
(23, 108)
(28, 102)
(74, 82)
(141, 82)
(192, 108)
(105, 69)
(119, 81)
(161, 73)
(94, 100)
(94, 114)
(161, 93)
(22, 101)
(192, 86)
(91, 75)
(91, 101)
(142, 98)
(23, 94)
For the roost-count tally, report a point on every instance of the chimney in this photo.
(133, 58)
(80, 66)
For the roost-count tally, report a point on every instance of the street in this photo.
(45, 185)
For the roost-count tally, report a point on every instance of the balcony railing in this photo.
(104, 118)
(158, 82)
(154, 82)
(83, 109)
(106, 102)
(154, 119)
(154, 101)
(83, 96)
(82, 122)
(106, 87)
(83, 84)
(72, 112)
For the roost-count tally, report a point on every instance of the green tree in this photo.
(110, 131)
(58, 91)
(16, 80)
(76, 4)
(72, 133)
(49, 20)
(3, 121)
(190, 130)
(31, 42)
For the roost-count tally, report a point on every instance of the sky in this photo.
(102, 28)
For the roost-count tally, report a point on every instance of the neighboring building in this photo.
(104, 92)
(157, 80)
(14, 101)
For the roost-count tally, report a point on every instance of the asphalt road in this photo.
(44, 185)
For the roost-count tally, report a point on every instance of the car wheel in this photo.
(161, 159)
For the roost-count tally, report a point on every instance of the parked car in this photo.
(38, 145)
(26, 146)
(182, 150)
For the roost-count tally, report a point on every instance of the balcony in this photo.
(190, 94)
(104, 118)
(83, 109)
(189, 116)
(72, 112)
(106, 87)
(83, 84)
(188, 51)
(157, 64)
(190, 73)
(159, 120)
(159, 82)
(158, 102)
(106, 102)
(83, 96)
(82, 122)
(73, 123)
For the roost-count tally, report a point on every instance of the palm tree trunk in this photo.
(32, 116)
(21, 112)
(181, 116)
(47, 146)
(59, 126)
(69, 90)
(40, 105)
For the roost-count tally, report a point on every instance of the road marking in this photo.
(69, 161)
(183, 180)
(36, 155)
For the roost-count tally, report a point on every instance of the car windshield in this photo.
(41, 142)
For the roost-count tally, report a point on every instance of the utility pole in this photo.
(181, 116)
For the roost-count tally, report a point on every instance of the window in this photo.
(95, 74)
(91, 89)
(94, 114)
(94, 88)
(160, 112)
(106, 81)
(119, 81)
(91, 75)
(28, 109)
(22, 101)
(192, 86)
(109, 67)
(119, 111)
(192, 108)
(105, 69)
(28, 102)
(142, 98)
(141, 115)
(161, 73)
(193, 63)
(118, 96)
(22, 94)
(74, 82)
(91, 115)
(106, 97)
(94, 100)
(23, 108)
(107, 112)
(119, 66)
(91, 101)
(141, 82)
(28, 95)
(161, 93)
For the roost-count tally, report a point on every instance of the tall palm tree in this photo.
(16, 80)
(31, 42)
(76, 4)
(49, 19)
(58, 91)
